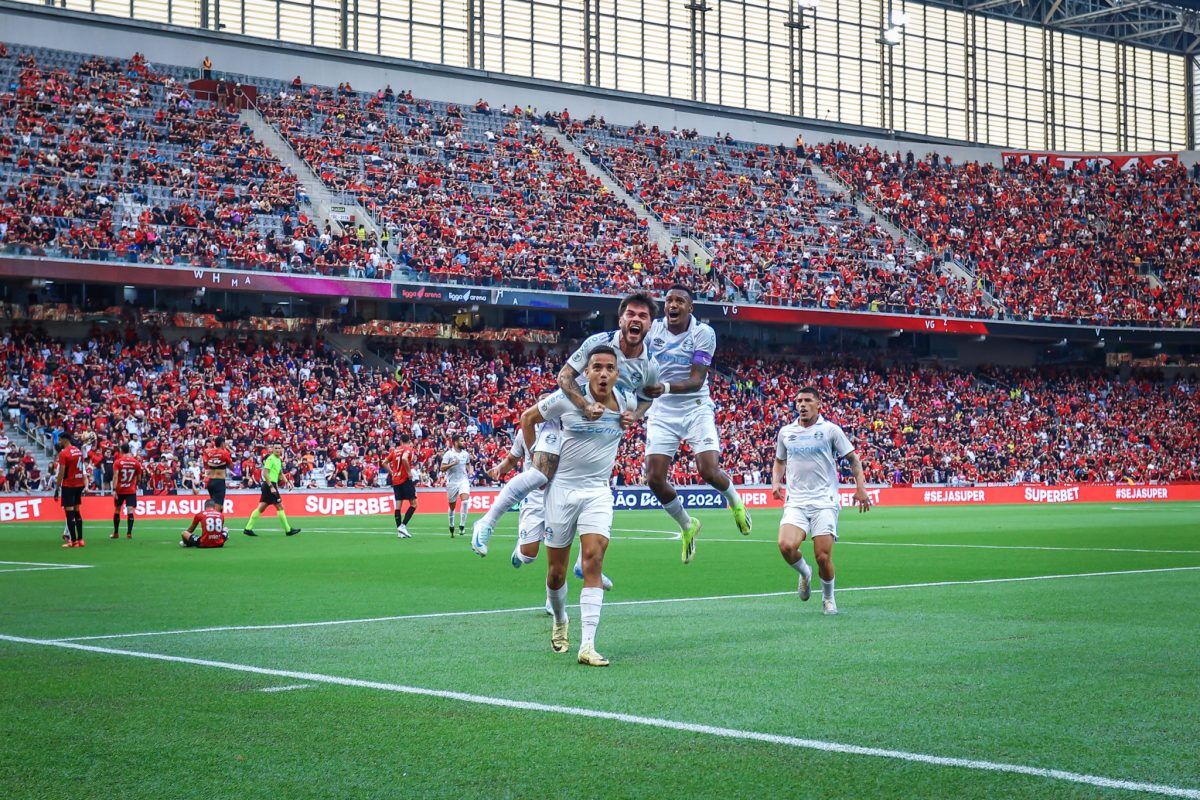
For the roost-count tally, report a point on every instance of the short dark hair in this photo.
(218, 440)
(638, 299)
(125, 448)
(65, 437)
(814, 391)
(679, 287)
(212, 504)
(404, 437)
(601, 350)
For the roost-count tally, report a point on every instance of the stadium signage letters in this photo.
(443, 294)
(238, 505)
(1104, 161)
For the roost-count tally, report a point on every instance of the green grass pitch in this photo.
(1093, 675)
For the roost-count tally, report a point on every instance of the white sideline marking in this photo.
(658, 601)
(289, 688)
(40, 566)
(979, 546)
(651, 722)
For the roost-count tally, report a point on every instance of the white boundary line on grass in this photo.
(289, 688)
(841, 542)
(658, 601)
(651, 722)
(39, 566)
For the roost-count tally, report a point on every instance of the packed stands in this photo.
(108, 159)
(774, 235)
(1088, 245)
(336, 417)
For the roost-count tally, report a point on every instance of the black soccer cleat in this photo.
(249, 532)
(292, 532)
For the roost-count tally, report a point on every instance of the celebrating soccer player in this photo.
(211, 523)
(808, 450)
(399, 464)
(578, 501)
(637, 374)
(127, 470)
(458, 483)
(684, 348)
(269, 494)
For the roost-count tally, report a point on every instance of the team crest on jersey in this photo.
(819, 435)
(551, 438)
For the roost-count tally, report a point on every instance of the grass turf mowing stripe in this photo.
(654, 722)
(842, 543)
(658, 601)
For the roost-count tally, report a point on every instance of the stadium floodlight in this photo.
(898, 19)
(891, 37)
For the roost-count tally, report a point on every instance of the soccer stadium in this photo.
(599, 398)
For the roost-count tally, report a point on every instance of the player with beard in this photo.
(637, 374)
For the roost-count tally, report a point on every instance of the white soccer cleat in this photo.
(517, 561)
(605, 582)
(828, 606)
(481, 534)
(402, 532)
(805, 587)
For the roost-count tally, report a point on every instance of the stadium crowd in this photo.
(337, 417)
(1088, 245)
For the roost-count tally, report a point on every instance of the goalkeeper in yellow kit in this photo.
(272, 470)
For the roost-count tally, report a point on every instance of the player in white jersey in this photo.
(807, 451)
(531, 523)
(454, 463)
(579, 501)
(684, 348)
(637, 374)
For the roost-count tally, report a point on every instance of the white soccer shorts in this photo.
(698, 428)
(572, 511)
(531, 524)
(813, 521)
(453, 490)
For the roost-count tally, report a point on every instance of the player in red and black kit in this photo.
(217, 459)
(211, 523)
(127, 471)
(399, 465)
(69, 485)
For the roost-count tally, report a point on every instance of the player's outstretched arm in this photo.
(861, 498)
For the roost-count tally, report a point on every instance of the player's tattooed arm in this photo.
(861, 498)
(568, 382)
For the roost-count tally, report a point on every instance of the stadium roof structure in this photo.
(1172, 27)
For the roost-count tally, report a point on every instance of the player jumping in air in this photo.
(269, 495)
(455, 463)
(637, 374)
(217, 459)
(69, 483)
(127, 471)
(808, 450)
(684, 348)
(399, 464)
(211, 523)
(579, 501)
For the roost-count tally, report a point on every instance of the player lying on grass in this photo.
(637, 374)
(807, 452)
(579, 501)
(211, 523)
